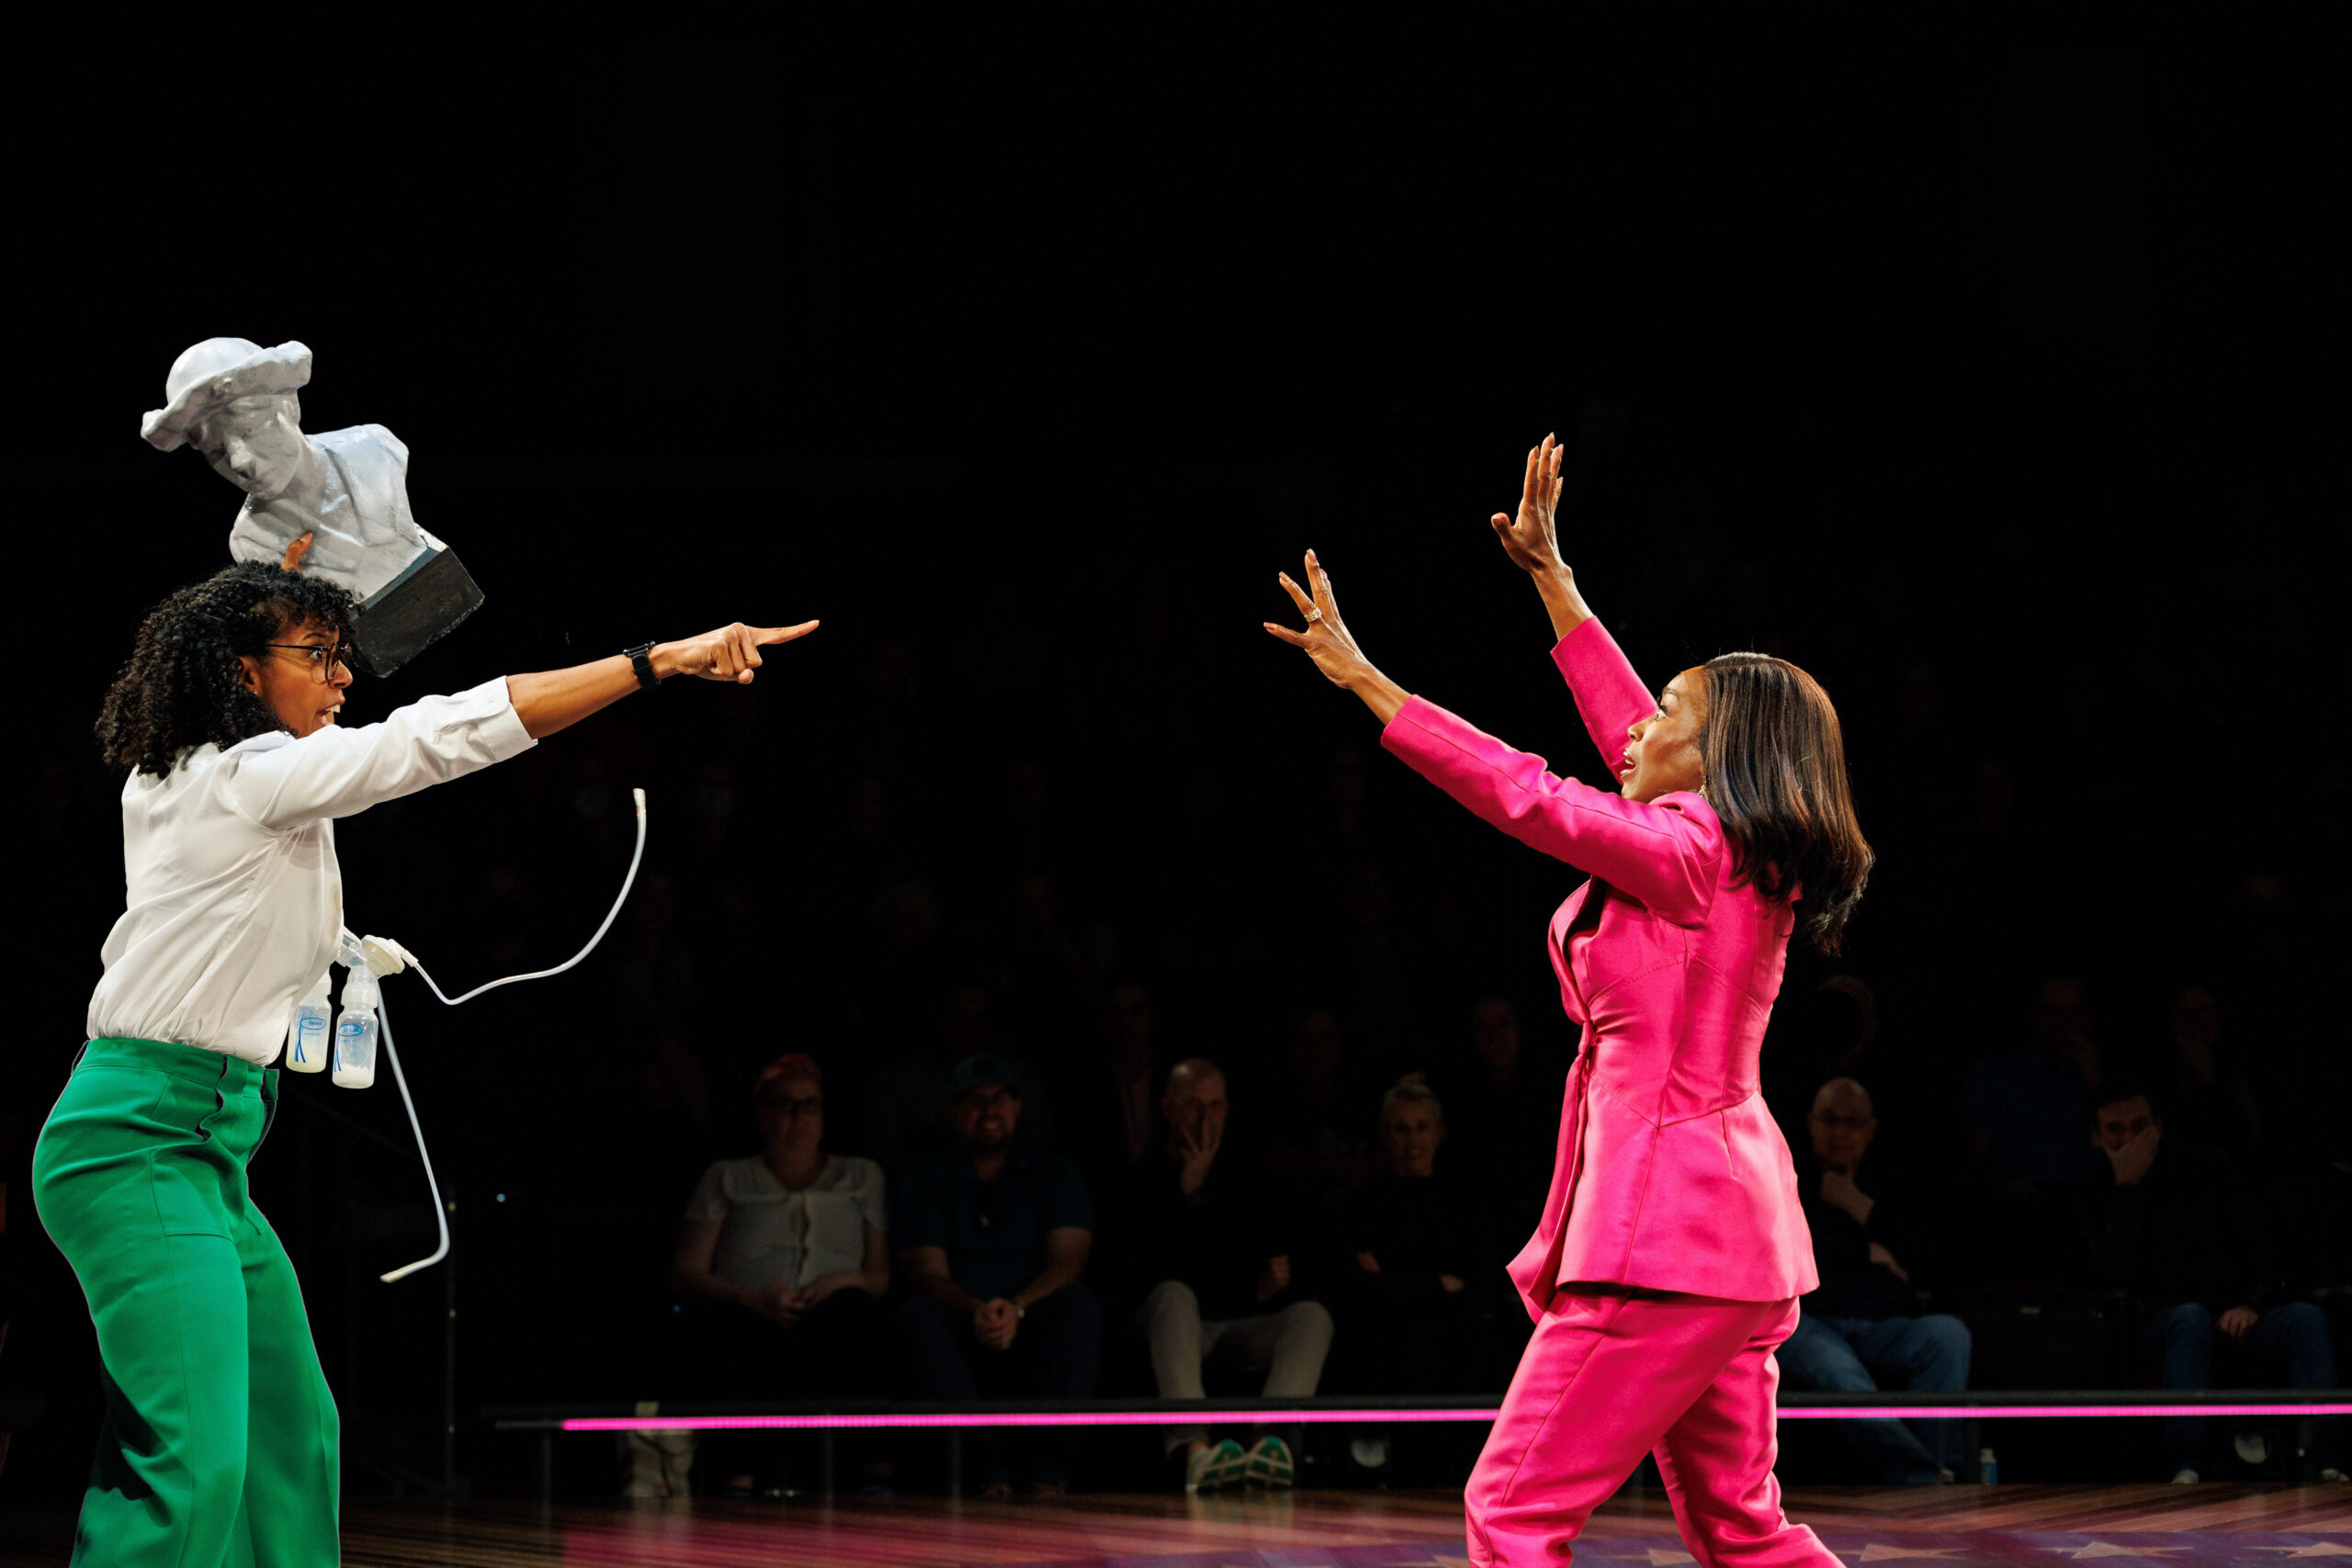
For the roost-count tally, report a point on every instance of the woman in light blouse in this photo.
(790, 1246)
(1672, 1247)
(220, 1436)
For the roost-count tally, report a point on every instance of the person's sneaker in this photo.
(1370, 1453)
(1217, 1466)
(2184, 1476)
(2329, 1472)
(1268, 1464)
(2253, 1447)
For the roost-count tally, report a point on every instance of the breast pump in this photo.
(349, 1050)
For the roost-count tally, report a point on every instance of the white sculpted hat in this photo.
(214, 372)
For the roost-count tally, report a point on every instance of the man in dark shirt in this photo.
(993, 1236)
(1217, 1279)
(1862, 1323)
(2168, 1226)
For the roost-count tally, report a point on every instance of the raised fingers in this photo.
(1322, 581)
(1299, 596)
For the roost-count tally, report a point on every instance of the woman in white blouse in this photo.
(219, 1442)
(789, 1249)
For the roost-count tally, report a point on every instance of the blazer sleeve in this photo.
(280, 783)
(1665, 853)
(1610, 698)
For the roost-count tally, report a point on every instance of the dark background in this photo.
(1985, 381)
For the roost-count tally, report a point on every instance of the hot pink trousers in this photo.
(1613, 1373)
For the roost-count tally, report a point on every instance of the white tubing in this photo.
(627, 882)
(440, 1212)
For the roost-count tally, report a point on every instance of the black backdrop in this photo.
(1983, 381)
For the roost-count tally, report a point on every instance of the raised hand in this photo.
(1326, 639)
(1532, 538)
(1328, 642)
(730, 653)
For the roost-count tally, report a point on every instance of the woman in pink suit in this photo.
(1672, 1248)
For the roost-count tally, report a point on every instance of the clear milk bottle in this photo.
(355, 1032)
(307, 1037)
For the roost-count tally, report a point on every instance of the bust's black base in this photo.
(411, 612)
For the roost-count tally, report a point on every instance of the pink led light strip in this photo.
(1380, 1418)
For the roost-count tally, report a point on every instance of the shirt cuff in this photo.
(495, 723)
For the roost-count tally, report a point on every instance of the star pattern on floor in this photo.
(2110, 1549)
(2312, 1549)
(1882, 1551)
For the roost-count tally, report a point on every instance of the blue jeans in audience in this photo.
(1851, 1355)
(1054, 1355)
(2180, 1339)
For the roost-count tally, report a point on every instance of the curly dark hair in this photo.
(183, 685)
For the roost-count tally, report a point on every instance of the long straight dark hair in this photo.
(1775, 761)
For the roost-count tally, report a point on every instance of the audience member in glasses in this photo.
(785, 1253)
(993, 1236)
(1862, 1329)
(2173, 1226)
(1211, 1258)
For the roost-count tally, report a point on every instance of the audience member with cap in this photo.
(993, 1236)
(786, 1252)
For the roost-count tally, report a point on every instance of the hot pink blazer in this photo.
(1671, 1174)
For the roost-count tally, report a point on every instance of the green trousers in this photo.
(219, 1442)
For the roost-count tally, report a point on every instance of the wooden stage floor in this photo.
(2195, 1526)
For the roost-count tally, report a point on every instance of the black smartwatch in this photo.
(642, 665)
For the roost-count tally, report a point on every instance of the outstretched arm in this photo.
(1532, 539)
(557, 699)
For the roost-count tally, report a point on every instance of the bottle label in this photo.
(309, 1039)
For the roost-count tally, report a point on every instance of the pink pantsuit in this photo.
(1672, 1247)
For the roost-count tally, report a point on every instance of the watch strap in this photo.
(643, 665)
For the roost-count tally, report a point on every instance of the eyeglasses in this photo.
(323, 656)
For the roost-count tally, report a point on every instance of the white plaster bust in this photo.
(234, 401)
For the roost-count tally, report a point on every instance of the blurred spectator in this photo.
(2211, 1102)
(2171, 1225)
(1409, 1246)
(785, 1253)
(2022, 1115)
(1216, 1266)
(1107, 1122)
(1862, 1327)
(993, 1236)
(1506, 1115)
(911, 1116)
(1315, 1151)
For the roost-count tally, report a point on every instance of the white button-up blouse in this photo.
(234, 901)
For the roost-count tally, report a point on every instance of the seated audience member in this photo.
(1411, 1243)
(1216, 1270)
(2211, 1100)
(908, 1119)
(1863, 1326)
(1107, 1102)
(1316, 1149)
(1506, 1115)
(2022, 1115)
(785, 1254)
(993, 1236)
(2171, 1226)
